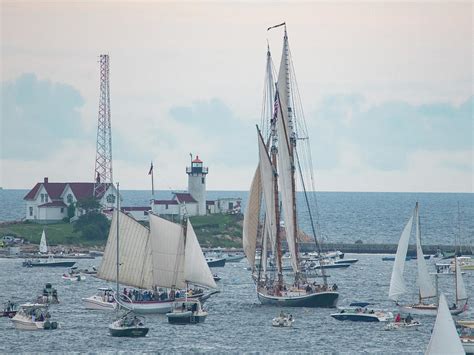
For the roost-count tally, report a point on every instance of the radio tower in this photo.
(103, 159)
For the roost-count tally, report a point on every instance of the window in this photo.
(69, 199)
(110, 198)
(45, 198)
(231, 205)
(42, 197)
(31, 211)
(62, 209)
(166, 207)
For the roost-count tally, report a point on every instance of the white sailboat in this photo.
(43, 248)
(444, 338)
(426, 289)
(151, 259)
(273, 196)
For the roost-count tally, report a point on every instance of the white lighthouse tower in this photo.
(197, 184)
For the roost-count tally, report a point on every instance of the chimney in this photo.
(45, 180)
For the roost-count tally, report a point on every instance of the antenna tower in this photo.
(103, 159)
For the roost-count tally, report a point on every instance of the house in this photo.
(48, 201)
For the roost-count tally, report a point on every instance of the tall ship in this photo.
(271, 217)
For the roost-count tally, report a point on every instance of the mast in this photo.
(274, 151)
(292, 137)
(118, 263)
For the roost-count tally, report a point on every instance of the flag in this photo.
(151, 169)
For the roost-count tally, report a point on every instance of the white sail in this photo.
(196, 270)
(397, 282)
(461, 293)
(444, 338)
(167, 244)
(267, 179)
(427, 289)
(43, 248)
(251, 218)
(285, 171)
(134, 250)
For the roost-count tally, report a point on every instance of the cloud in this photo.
(40, 114)
(387, 134)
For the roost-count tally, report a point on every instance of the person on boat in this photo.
(334, 287)
(194, 308)
(282, 314)
(408, 319)
(183, 307)
(398, 318)
(290, 318)
(453, 306)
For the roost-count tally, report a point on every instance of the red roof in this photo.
(165, 202)
(54, 204)
(184, 197)
(197, 160)
(55, 189)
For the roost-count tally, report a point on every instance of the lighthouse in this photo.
(197, 183)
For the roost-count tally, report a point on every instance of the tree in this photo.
(89, 204)
(71, 210)
(93, 226)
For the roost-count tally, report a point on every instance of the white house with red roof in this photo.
(48, 201)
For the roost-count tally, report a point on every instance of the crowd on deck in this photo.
(157, 295)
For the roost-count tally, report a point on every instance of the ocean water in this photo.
(236, 321)
(343, 216)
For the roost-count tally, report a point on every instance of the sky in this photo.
(386, 88)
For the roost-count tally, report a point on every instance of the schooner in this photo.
(272, 198)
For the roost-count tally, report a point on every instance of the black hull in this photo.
(216, 263)
(313, 300)
(129, 332)
(53, 264)
(186, 320)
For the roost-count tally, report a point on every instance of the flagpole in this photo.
(152, 182)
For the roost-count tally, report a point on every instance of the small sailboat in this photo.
(50, 261)
(426, 289)
(444, 337)
(272, 212)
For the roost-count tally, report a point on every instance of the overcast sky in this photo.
(387, 89)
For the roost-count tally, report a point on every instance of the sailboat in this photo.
(127, 325)
(272, 199)
(444, 338)
(151, 259)
(50, 262)
(426, 289)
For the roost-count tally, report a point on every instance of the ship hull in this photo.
(320, 299)
(49, 264)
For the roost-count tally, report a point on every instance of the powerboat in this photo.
(48, 296)
(358, 312)
(283, 320)
(128, 325)
(400, 323)
(50, 262)
(187, 312)
(215, 262)
(33, 316)
(102, 300)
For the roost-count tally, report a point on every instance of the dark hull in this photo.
(354, 317)
(185, 320)
(216, 263)
(320, 299)
(52, 264)
(332, 266)
(132, 332)
(9, 314)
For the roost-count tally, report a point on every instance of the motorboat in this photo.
(233, 258)
(33, 316)
(9, 310)
(48, 296)
(187, 312)
(215, 262)
(102, 300)
(400, 323)
(128, 325)
(467, 335)
(74, 275)
(346, 261)
(358, 312)
(283, 320)
(49, 262)
(216, 277)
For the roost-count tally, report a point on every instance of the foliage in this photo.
(89, 204)
(71, 210)
(92, 226)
